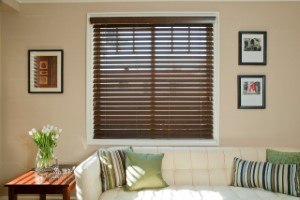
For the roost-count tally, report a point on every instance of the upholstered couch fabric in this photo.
(182, 167)
(195, 193)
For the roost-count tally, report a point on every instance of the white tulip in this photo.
(56, 136)
(34, 130)
(46, 130)
(30, 133)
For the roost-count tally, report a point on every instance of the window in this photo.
(152, 78)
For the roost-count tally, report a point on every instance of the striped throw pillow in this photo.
(281, 178)
(112, 167)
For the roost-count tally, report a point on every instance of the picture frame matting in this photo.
(251, 91)
(45, 71)
(252, 48)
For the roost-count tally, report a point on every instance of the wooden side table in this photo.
(29, 183)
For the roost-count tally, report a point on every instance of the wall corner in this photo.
(9, 5)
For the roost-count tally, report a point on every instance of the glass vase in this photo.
(45, 161)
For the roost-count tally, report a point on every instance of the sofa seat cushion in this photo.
(195, 193)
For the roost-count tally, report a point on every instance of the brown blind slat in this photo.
(122, 109)
(153, 77)
(149, 85)
(143, 121)
(143, 81)
(139, 49)
(142, 75)
(109, 104)
(120, 95)
(165, 72)
(100, 134)
(98, 118)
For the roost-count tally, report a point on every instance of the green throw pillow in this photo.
(279, 157)
(143, 171)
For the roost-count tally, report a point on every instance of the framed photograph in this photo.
(45, 71)
(251, 92)
(252, 48)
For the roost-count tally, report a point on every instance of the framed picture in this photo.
(45, 71)
(252, 48)
(251, 92)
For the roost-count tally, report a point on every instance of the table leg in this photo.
(11, 194)
(66, 194)
(42, 196)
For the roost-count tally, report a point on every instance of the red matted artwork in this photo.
(45, 71)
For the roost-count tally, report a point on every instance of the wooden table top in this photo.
(32, 178)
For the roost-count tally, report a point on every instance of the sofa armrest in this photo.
(88, 182)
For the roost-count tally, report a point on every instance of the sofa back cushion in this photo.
(203, 165)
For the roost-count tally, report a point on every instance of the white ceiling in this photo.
(89, 1)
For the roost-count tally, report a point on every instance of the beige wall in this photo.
(63, 26)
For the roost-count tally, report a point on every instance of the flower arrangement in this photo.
(46, 140)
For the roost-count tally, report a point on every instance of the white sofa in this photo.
(193, 173)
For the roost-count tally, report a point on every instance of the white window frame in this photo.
(151, 142)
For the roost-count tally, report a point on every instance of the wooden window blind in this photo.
(153, 77)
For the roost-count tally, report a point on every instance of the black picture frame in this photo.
(252, 48)
(251, 91)
(45, 70)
